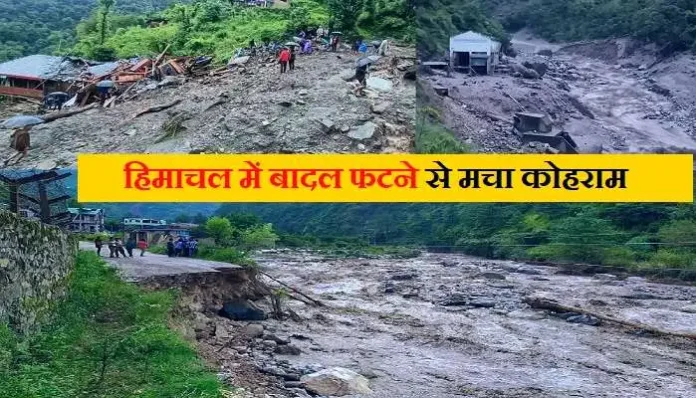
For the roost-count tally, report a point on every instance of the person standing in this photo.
(178, 246)
(130, 245)
(98, 245)
(170, 247)
(292, 58)
(119, 248)
(383, 48)
(361, 77)
(284, 58)
(142, 245)
(194, 247)
(112, 248)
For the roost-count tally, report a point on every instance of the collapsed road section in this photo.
(435, 326)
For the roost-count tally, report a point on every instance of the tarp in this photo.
(20, 121)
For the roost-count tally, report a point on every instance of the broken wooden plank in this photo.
(158, 108)
(59, 115)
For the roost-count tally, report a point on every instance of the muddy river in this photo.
(442, 326)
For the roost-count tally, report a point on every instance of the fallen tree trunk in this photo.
(546, 304)
(158, 108)
(313, 301)
(59, 115)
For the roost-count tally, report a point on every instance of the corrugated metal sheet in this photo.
(41, 67)
(473, 42)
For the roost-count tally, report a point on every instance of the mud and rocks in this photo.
(611, 96)
(452, 325)
(253, 109)
(441, 326)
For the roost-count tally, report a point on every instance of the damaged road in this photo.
(252, 109)
(611, 96)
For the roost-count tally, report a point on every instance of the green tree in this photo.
(259, 237)
(345, 13)
(220, 229)
(105, 8)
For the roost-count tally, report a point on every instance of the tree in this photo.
(220, 229)
(345, 13)
(258, 237)
(182, 218)
(105, 8)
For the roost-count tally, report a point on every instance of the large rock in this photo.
(379, 84)
(238, 61)
(525, 72)
(337, 382)
(364, 132)
(242, 310)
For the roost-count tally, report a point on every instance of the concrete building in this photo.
(87, 220)
(155, 231)
(474, 52)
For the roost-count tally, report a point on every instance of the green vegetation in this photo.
(639, 236)
(438, 20)
(433, 137)
(231, 238)
(219, 28)
(669, 23)
(108, 339)
(47, 26)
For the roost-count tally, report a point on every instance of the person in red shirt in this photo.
(284, 58)
(142, 245)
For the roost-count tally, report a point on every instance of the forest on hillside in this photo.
(107, 29)
(46, 26)
(641, 235)
(669, 23)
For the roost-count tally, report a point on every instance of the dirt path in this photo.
(138, 268)
(391, 319)
(260, 111)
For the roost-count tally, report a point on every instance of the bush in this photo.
(108, 339)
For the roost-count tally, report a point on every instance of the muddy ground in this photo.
(310, 110)
(442, 326)
(611, 96)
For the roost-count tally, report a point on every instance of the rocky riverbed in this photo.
(442, 326)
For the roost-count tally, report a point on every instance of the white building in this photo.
(87, 220)
(474, 52)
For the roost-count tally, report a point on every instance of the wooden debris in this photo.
(158, 108)
(311, 300)
(550, 305)
(59, 115)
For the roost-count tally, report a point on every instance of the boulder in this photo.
(238, 61)
(253, 330)
(364, 132)
(380, 108)
(379, 84)
(327, 126)
(287, 349)
(525, 72)
(337, 382)
(242, 310)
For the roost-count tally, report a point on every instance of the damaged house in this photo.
(38, 75)
(474, 53)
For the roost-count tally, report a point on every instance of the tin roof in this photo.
(89, 212)
(48, 67)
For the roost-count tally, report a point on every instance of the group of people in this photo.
(118, 249)
(182, 247)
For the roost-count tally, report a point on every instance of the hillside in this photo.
(668, 23)
(45, 26)
(618, 234)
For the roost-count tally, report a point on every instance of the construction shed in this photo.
(474, 52)
(37, 75)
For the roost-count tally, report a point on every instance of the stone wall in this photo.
(35, 262)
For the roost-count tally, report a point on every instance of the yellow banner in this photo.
(384, 178)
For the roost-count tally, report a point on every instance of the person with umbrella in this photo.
(19, 140)
(361, 75)
(283, 59)
(104, 89)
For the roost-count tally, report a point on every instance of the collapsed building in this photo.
(473, 52)
(36, 76)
